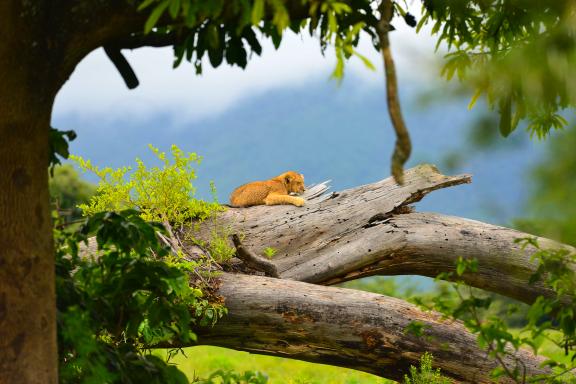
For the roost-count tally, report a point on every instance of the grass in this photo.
(203, 360)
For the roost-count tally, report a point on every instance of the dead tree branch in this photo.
(346, 328)
(372, 230)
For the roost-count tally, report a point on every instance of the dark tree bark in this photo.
(28, 352)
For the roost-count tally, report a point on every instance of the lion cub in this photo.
(270, 192)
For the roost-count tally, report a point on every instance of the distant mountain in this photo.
(326, 132)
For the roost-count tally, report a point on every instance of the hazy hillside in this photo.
(326, 132)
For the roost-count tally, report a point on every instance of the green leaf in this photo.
(422, 22)
(460, 269)
(338, 72)
(174, 8)
(367, 63)
(59, 146)
(155, 16)
(235, 53)
(332, 23)
(252, 40)
(146, 4)
(213, 36)
(216, 55)
(257, 11)
(281, 17)
(475, 98)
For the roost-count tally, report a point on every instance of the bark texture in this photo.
(373, 229)
(32, 55)
(28, 352)
(347, 328)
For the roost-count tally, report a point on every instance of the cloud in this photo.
(96, 89)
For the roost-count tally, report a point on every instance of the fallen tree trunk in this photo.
(361, 232)
(372, 229)
(346, 328)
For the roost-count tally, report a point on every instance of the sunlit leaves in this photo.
(134, 292)
(257, 11)
(281, 18)
(521, 56)
(161, 193)
(222, 376)
(541, 123)
(425, 374)
(457, 63)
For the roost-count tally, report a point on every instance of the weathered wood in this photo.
(372, 230)
(254, 261)
(432, 244)
(346, 328)
(360, 232)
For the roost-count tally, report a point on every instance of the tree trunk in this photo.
(347, 328)
(27, 298)
(28, 352)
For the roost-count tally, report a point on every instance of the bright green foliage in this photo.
(231, 377)
(555, 270)
(269, 252)
(202, 361)
(218, 247)
(138, 292)
(520, 54)
(426, 374)
(162, 193)
(112, 307)
(68, 190)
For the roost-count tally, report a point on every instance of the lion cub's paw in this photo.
(299, 202)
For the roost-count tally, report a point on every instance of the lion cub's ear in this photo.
(287, 179)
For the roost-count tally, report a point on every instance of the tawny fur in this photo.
(270, 192)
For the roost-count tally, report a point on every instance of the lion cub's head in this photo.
(293, 181)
